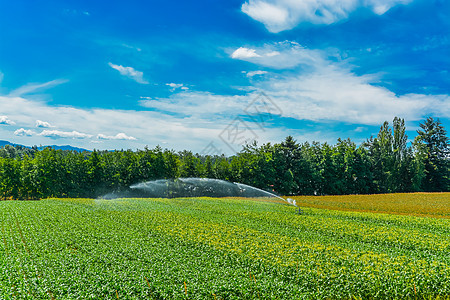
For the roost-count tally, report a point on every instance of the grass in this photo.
(205, 248)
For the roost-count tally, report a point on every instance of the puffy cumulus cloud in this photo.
(280, 15)
(119, 136)
(4, 120)
(244, 53)
(174, 86)
(130, 72)
(274, 16)
(23, 132)
(56, 134)
(42, 124)
(284, 55)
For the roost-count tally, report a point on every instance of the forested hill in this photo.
(383, 164)
(57, 147)
(4, 143)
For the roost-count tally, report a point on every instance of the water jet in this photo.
(194, 187)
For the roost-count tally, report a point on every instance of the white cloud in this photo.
(23, 132)
(129, 72)
(175, 86)
(280, 15)
(254, 73)
(337, 94)
(42, 124)
(244, 53)
(319, 89)
(64, 134)
(4, 120)
(148, 127)
(36, 87)
(314, 88)
(201, 105)
(274, 17)
(284, 55)
(119, 136)
(332, 95)
(273, 53)
(132, 47)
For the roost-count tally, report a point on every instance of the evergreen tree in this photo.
(401, 178)
(209, 171)
(382, 158)
(436, 151)
(381, 164)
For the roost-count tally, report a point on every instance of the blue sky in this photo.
(210, 75)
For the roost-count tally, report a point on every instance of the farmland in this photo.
(417, 204)
(205, 248)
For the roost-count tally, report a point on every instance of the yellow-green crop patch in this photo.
(205, 248)
(436, 205)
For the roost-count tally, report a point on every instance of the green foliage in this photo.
(17, 151)
(383, 164)
(204, 248)
(436, 152)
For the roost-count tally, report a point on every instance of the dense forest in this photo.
(386, 163)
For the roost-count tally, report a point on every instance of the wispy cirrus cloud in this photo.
(56, 134)
(130, 72)
(119, 136)
(306, 84)
(316, 88)
(36, 87)
(338, 96)
(283, 55)
(280, 15)
(254, 73)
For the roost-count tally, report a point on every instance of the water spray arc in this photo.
(195, 187)
(289, 200)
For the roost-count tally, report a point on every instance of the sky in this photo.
(210, 76)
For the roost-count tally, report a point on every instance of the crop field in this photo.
(415, 204)
(227, 248)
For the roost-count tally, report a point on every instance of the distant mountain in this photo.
(56, 147)
(64, 147)
(4, 143)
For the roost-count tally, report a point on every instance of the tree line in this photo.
(386, 163)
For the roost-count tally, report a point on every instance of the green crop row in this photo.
(204, 248)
